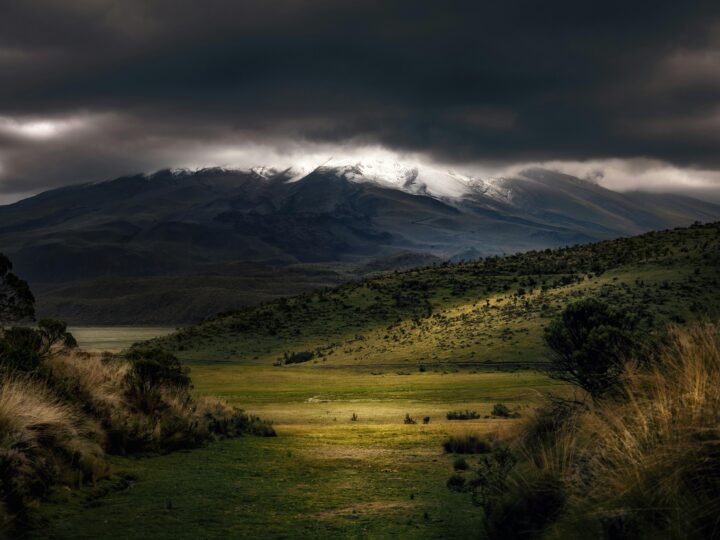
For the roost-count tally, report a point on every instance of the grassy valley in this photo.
(369, 384)
(323, 476)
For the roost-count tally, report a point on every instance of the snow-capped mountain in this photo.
(337, 212)
(411, 178)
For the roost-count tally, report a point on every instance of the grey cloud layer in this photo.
(458, 81)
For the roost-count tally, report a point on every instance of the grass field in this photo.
(323, 476)
(115, 338)
(410, 343)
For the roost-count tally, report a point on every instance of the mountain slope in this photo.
(474, 313)
(77, 245)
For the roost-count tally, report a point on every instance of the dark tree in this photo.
(23, 348)
(54, 332)
(153, 370)
(17, 302)
(590, 343)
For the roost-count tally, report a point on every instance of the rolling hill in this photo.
(119, 251)
(477, 313)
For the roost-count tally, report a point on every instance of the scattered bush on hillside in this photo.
(467, 444)
(460, 464)
(501, 410)
(463, 415)
(409, 420)
(456, 482)
(298, 357)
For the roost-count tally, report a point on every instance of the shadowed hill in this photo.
(485, 311)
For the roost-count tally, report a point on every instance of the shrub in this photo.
(151, 371)
(409, 419)
(456, 483)
(16, 300)
(354, 417)
(463, 415)
(501, 410)
(590, 343)
(23, 348)
(460, 464)
(659, 447)
(466, 444)
(298, 357)
(426, 419)
(525, 512)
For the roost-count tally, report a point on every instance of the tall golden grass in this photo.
(57, 425)
(655, 456)
(43, 441)
(645, 465)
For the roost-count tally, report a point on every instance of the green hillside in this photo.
(485, 311)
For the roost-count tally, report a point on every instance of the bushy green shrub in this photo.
(467, 444)
(460, 464)
(298, 357)
(590, 343)
(463, 415)
(23, 348)
(524, 512)
(456, 483)
(501, 411)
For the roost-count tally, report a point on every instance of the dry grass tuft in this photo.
(43, 441)
(643, 465)
(654, 457)
(57, 424)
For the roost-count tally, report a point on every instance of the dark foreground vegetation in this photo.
(635, 453)
(63, 411)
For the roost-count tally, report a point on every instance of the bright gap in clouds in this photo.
(616, 174)
(39, 129)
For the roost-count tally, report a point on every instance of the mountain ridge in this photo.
(179, 226)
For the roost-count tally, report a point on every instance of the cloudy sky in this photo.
(625, 92)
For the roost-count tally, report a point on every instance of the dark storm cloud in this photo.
(514, 81)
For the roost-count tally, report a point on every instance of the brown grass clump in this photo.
(145, 417)
(654, 458)
(644, 464)
(58, 422)
(43, 441)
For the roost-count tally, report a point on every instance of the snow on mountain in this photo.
(415, 179)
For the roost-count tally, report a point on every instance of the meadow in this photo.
(115, 338)
(358, 381)
(324, 475)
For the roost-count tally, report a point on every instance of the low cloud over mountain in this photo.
(180, 246)
(91, 90)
